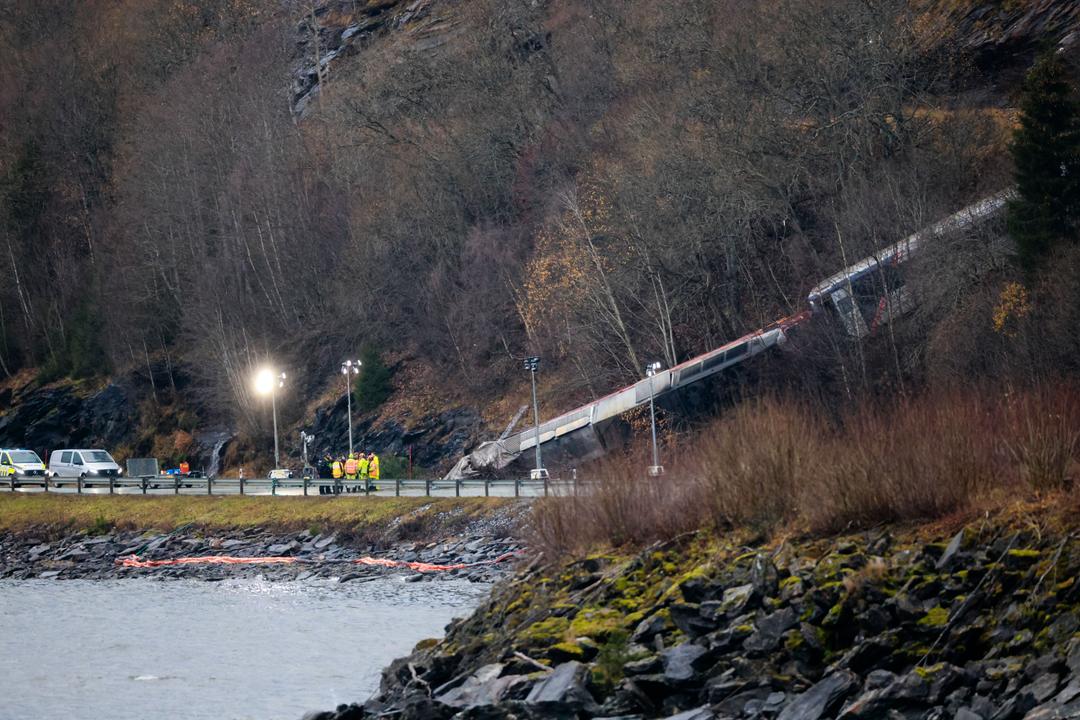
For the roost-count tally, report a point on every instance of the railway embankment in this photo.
(975, 617)
(66, 537)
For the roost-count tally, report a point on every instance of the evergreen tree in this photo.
(1046, 152)
(373, 384)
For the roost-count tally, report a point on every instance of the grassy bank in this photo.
(407, 516)
(784, 466)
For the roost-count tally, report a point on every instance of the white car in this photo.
(90, 465)
(21, 464)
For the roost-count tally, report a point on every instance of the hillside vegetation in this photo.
(601, 182)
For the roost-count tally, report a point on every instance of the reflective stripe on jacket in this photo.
(373, 468)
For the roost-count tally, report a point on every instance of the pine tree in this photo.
(1046, 153)
(373, 384)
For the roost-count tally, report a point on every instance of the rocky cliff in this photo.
(130, 419)
(973, 622)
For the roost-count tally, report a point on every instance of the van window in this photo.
(98, 456)
(25, 456)
(4, 459)
(65, 457)
(76, 459)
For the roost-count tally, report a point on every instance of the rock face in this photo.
(981, 624)
(56, 417)
(337, 29)
(435, 440)
(66, 416)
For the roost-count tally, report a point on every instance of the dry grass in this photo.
(777, 463)
(20, 512)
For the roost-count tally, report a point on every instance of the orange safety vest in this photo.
(335, 469)
(350, 467)
(184, 468)
(373, 468)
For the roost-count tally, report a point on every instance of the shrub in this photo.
(776, 463)
(1043, 436)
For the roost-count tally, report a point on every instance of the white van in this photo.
(90, 465)
(21, 464)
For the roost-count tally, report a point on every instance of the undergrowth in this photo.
(778, 463)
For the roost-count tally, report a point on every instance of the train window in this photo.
(689, 372)
(715, 361)
(738, 351)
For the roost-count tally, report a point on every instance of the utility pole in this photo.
(656, 468)
(532, 364)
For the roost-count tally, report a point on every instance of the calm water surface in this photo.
(89, 650)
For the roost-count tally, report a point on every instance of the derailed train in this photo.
(862, 297)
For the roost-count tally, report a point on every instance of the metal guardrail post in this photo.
(517, 488)
(144, 483)
(112, 485)
(545, 487)
(45, 483)
(78, 483)
(241, 484)
(305, 485)
(457, 488)
(12, 479)
(427, 488)
(176, 485)
(273, 486)
(209, 485)
(487, 488)
(397, 488)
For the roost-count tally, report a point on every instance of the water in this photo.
(91, 650)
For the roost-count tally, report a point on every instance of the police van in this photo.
(22, 464)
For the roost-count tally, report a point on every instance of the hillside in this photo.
(190, 191)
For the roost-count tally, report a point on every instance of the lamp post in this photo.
(267, 382)
(348, 369)
(532, 364)
(656, 468)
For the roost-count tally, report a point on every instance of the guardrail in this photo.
(319, 486)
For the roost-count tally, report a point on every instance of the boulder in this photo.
(902, 692)
(739, 599)
(687, 617)
(952, 550)
(821, 699)
(566, 684)
(770, 630)
(1054, 711)
(678, 662)
(648, 628)
(763, 576)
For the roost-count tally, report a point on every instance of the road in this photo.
(294, 488)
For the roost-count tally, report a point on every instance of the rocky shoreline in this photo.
(983, 622)
(89, 556)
